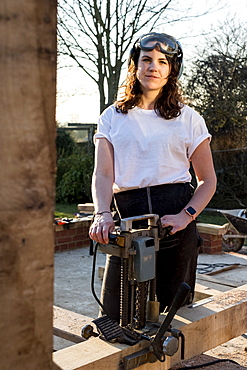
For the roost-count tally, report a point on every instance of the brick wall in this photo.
(75, 235)
(72, 235)
(212, 244)
(212, 237)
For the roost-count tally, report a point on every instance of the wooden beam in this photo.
(68, 325)
(217, 283)
(67, 335)
(27, 182)
(231, 267)
(204, 328)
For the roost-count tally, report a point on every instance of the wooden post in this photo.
(27, 179)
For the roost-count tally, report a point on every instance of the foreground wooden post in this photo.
(27, 178)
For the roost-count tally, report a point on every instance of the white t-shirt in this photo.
(150, 150)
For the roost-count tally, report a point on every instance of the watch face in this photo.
(191, 211)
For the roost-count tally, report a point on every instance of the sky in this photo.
(77, 95)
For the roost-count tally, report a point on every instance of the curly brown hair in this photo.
(169, 101)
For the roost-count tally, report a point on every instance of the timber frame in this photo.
(204, 327)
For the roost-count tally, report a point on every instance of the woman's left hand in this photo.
(177, 222)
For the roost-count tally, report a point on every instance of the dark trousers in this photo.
(177, 257)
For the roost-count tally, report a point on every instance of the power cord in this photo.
(208, 364)
(204, 268)
(92, 278)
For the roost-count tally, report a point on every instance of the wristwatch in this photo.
(190, 211)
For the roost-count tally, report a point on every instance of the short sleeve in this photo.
(199, 134)
(104, 125)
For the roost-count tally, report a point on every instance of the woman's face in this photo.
(152, 70)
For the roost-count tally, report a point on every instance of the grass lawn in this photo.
(210, 217)
(68, 210)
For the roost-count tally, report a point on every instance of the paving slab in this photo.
(73, 271)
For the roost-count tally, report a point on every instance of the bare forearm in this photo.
(102, 182)
(200, 199)
(203, 194)
(103, 176)
(101, 192)
(102, 196)
(206, 179)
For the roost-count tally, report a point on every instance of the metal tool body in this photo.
(137, 249)
(139, 309)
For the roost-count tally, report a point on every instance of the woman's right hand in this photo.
(101, 227)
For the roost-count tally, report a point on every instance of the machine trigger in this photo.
(163, 232)
(112, 238)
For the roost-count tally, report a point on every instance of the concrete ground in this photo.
(72, 288)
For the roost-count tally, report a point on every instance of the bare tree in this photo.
(217, 88)
(96, 34)
(217, 85)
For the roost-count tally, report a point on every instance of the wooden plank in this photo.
(86, 208)
(68, 321)
(68, 325)
(224, 269)
(67, 335)
(204, 328)
(218, 283)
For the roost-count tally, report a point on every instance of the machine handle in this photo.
(126, 223)
(180, 296)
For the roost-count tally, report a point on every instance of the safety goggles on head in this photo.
(167, 44)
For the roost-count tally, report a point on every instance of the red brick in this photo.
(72, 245)
(82, 234)
(206, 236)
(76, 237)
(82, 237)
(63, 240)
(82, 230)
(64, 247)
(206, 243)
(216, 251)
(211, 250)
(63, 232)
(207, 250)
(86, 243)
(216, 237)
(216, 243)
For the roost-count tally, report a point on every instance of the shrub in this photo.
(65, 144)
(74, 172)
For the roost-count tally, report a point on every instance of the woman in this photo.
(145, 144)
